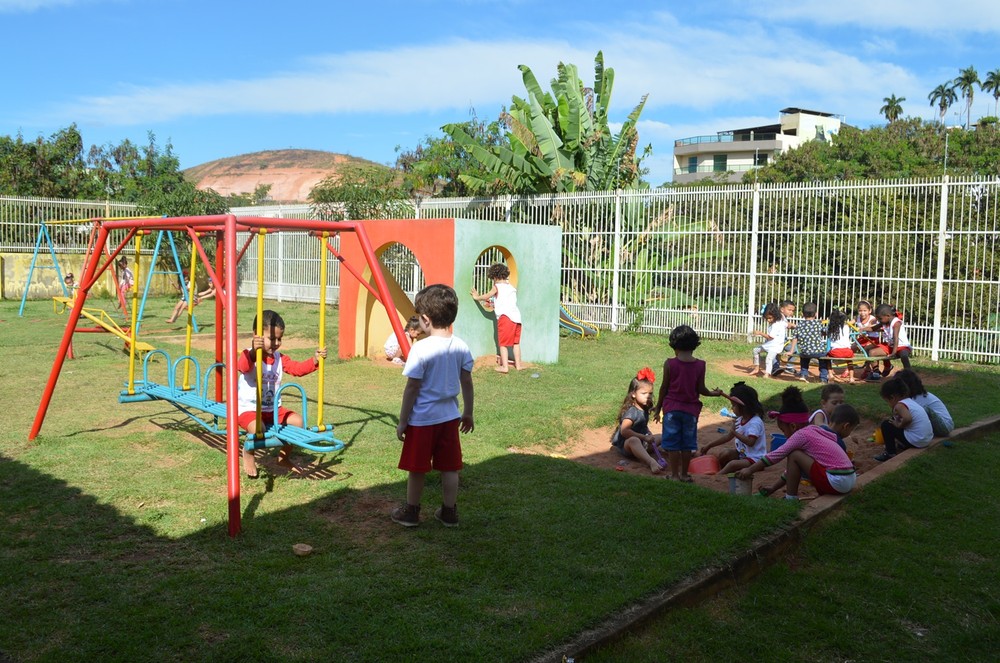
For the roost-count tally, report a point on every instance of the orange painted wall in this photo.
(432, 242)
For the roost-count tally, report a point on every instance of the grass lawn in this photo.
(114, 533)
(907, 573)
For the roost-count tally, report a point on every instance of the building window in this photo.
(719, 163)
(760, 159)
(692, 165)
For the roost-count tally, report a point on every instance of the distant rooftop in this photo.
(790, 111)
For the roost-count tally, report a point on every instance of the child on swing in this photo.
(275, 365)
(632, 438)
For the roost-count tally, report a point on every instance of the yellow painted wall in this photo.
(45, 282)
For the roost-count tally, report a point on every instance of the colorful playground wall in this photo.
(447, 251)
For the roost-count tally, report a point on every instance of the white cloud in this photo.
(928, 16)
(452, 75)
(27, 6)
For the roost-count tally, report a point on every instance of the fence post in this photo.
(939, 276)
(617, 260)
(281, 265)
(509, 210)
(754, 233)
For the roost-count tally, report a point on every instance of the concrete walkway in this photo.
(765, 551)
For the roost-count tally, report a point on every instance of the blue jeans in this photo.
(824, 366)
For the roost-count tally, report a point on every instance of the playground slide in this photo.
(569, 321)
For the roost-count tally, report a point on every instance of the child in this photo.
(683, 382)
(393, 352)
(838, 335)
(126, 280)
(808, 340)
(812, 453)
(747, 430)
(632, 438)
(941, 422)
(438, 368)
(830, 397)
(909, 426)
(181, 305)
(843, 420)
(896, 342)
(69, 281)
(866, 322)
(774, 343)
(787, 308)
(275, 365)
(504, 301)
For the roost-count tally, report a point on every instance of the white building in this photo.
(731, 153)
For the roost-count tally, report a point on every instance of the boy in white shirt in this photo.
(438, 368)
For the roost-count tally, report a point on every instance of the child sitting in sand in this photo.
(393, 352)
(632, 438)
(747, 431)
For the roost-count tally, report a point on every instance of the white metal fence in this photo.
(711, 257)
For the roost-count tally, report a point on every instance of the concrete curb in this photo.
(764, 552)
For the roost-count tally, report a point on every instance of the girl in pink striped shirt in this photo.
(812, 453)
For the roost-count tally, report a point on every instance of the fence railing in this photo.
(711, 257)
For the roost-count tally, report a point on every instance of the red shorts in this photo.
(841, 353)
(881, 346)
(250, 417)
(432, 447)
(508, 332)
(817, 475)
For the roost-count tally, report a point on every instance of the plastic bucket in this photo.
(704, 465)
(777, 439)
(877, 435)
(740, 486)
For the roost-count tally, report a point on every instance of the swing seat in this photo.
(280, 435)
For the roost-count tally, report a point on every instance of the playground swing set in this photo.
(218, 414)
(104, 322)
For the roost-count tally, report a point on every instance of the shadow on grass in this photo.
(545, 548)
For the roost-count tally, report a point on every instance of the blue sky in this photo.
(222, 78)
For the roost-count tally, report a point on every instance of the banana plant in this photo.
(559, 141)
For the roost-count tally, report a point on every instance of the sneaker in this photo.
(803, 378)
(406, 515)
(874, 376)
(884, 456)
(778, 371)
(790, 370)
(886, 369)
(447, 515)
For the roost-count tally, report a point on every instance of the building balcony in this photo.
(725, 138)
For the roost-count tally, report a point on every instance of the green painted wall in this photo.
(535, 253)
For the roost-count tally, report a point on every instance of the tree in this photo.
(967, 81)
(992, 85)
(560, 141)
(434, 167)
(943, 96)
(893, 107)
(361, 192)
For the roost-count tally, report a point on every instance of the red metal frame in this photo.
(225, 228)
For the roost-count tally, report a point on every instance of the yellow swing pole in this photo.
(259, 331)
(322, 327)
(192, 291)
(135, 312)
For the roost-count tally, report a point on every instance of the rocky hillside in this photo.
(291, 173)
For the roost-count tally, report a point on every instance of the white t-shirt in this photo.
(506, 302)
(896, 327)
(919, 433)
(776, 330)
(753, 427)
(932, 403)
(391, 347)
(842, 341)
(438, 362)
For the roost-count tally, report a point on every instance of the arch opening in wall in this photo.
(405, 278)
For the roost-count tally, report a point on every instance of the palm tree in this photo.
(966, 82)
(992, 85)
(943, 96)
(893, 107)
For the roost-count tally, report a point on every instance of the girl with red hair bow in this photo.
(632, 438)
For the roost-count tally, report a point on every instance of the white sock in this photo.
(791, 497)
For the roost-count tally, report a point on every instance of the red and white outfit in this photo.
(890, 333)
(508, 315)
(832, 471)
(273, 368)
(842, 347)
